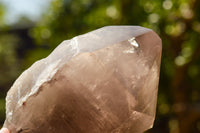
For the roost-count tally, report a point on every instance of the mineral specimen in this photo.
(104, 81)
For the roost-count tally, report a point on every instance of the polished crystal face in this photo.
(105, 81)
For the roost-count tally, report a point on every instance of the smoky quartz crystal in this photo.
(105, 81)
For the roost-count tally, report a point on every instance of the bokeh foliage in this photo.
(176, 21)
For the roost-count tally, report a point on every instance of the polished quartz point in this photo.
(105, 81)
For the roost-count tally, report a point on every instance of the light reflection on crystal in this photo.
(130, 51)
(133, 42)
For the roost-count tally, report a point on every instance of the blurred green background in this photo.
(26, 38)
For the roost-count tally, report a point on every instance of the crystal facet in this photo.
(104, 81)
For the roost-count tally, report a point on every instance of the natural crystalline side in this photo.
(105, 81)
